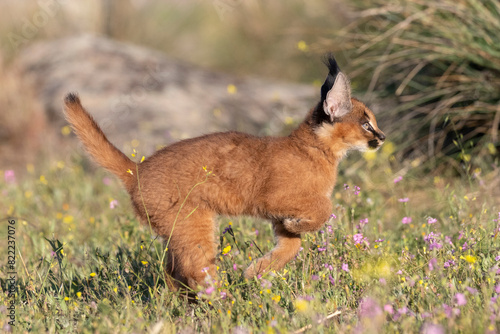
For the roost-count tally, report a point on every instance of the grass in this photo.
(87, 267)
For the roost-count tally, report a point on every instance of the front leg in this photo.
(299, 225)
(311, 218)
(287, 246)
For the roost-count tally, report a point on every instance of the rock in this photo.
(22, 121)
(137, 93)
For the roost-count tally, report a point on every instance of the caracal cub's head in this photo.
(342, 122)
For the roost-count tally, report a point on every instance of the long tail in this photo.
(96, 143)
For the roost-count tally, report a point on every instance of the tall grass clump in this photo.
(441, 60)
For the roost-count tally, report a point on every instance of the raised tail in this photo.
(96, 143)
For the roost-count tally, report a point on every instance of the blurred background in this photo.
(153, 72)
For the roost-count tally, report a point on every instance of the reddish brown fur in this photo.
(184, 186)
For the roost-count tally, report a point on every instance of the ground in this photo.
(400, 253)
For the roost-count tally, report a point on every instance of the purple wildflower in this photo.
(406, 220)
(369, 308)
(403, 310)
(403, 200)
(431, 220)
(345, 267)
(464, 246)
(447, 310)
(9, 176)
(432, 264)
(460, 299)
(209, 290)
(266, 284)
(357, 238)
(328, 266)
(497, 220)
(449, 263)
(472, 291)
(314, 277)
(357, 190)
(398, 179)
(380, 240)
(447, 240)
(388, 308)
(430, 328)
(433, 240)
(435, 245)
(332, 280)
(362, 224)
(113, 204)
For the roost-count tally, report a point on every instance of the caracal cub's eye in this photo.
(366, 126)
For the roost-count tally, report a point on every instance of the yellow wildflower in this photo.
(301, 305)
(226, 250)
(231, 89)
(302, 46)
(470, 259)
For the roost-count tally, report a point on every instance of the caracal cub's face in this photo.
(359, 128)
(345, 123)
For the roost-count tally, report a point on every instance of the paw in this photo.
(250, 272)
(294, 224)
(259, 267)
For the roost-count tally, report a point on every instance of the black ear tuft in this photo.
(319, 116)
(333, 71)
(330, 61)
(71, 98)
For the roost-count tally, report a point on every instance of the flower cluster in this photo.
(433, 240)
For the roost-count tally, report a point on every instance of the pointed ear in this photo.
(338, 100)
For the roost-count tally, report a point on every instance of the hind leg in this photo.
(287, 246)
(192, 249)
(170, 281)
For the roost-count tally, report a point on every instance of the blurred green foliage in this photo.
(439, 64)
